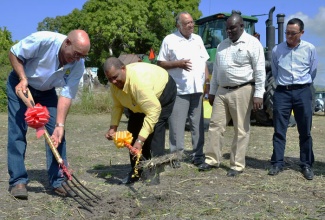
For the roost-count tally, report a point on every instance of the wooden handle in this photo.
(53, 148)
(27, 98)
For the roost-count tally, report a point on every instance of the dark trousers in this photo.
(300, 101)
(155, 143)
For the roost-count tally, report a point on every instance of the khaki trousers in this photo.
(233, 104)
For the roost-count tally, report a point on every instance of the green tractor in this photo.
(212, 30)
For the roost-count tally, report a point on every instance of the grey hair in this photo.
(179, 14)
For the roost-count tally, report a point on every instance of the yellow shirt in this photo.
(143, 86)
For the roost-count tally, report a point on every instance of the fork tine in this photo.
(83, 192)
(76, 198)
(88, 190)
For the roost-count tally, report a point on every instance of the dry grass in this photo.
(184, 193)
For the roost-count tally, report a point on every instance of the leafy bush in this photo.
(5, 44)
(4, 72)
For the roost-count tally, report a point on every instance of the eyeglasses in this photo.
(292, 33)
(187, 23)
(76, 54)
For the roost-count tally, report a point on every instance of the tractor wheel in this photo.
(269, 93)
(265, 115)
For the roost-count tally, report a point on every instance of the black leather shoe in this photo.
(206, 167)
(129, 179)
(274, 170)
(233, 173)
(198, 162)
(308, 173)
(176, 164)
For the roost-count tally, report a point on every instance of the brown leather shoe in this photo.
(19, 191)
(64, 193)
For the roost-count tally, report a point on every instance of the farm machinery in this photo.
(212, 30)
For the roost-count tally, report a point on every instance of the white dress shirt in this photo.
(176, 47)
(238, 63)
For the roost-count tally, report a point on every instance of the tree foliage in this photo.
(5, 44)
(122, 26)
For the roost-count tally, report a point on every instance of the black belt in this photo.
(236, 87)
(294, 86)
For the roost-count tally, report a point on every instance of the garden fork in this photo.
(83, 195)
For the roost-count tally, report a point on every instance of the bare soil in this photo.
(183, 193)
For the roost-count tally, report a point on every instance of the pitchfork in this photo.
(85, 198)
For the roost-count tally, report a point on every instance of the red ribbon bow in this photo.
(37, 118)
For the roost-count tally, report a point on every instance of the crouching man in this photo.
(149, 93)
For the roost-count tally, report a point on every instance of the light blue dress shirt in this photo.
(296, 65)
(39, 54)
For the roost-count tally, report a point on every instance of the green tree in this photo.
(122, 26)
(5, 44)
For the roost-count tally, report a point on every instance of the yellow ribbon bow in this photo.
(122, 137)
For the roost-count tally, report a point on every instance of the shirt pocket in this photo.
(241, 56)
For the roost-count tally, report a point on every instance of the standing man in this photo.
(294, 67)
(149, 93)
(42, 61)
(184, 56)
(237, 86)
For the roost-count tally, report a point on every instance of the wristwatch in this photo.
(59, 125)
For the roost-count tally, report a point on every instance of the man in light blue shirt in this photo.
(41, 62)
(294, 67)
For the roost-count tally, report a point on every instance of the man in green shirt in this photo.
(149, 93)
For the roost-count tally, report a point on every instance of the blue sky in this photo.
(21, 17)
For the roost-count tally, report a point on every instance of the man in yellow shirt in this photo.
(149, 93)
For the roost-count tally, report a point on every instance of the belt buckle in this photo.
(287, 87)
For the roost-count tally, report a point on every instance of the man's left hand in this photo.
(257, 104)
(57, 136)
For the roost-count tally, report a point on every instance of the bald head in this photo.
(235, 27)
(236, 18)
(80, 40)
(75, 47)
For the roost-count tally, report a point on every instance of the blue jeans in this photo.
(17, 129)
(300, 101)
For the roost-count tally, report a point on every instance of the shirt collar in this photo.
(242, 38)
(301, 42)
(182, 38)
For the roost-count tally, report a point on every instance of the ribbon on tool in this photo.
(124, 139)
(121, 138)
(37, 117)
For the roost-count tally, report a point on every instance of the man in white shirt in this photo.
(237, 86)
(184, 56)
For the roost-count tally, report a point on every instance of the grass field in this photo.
(183, 193)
